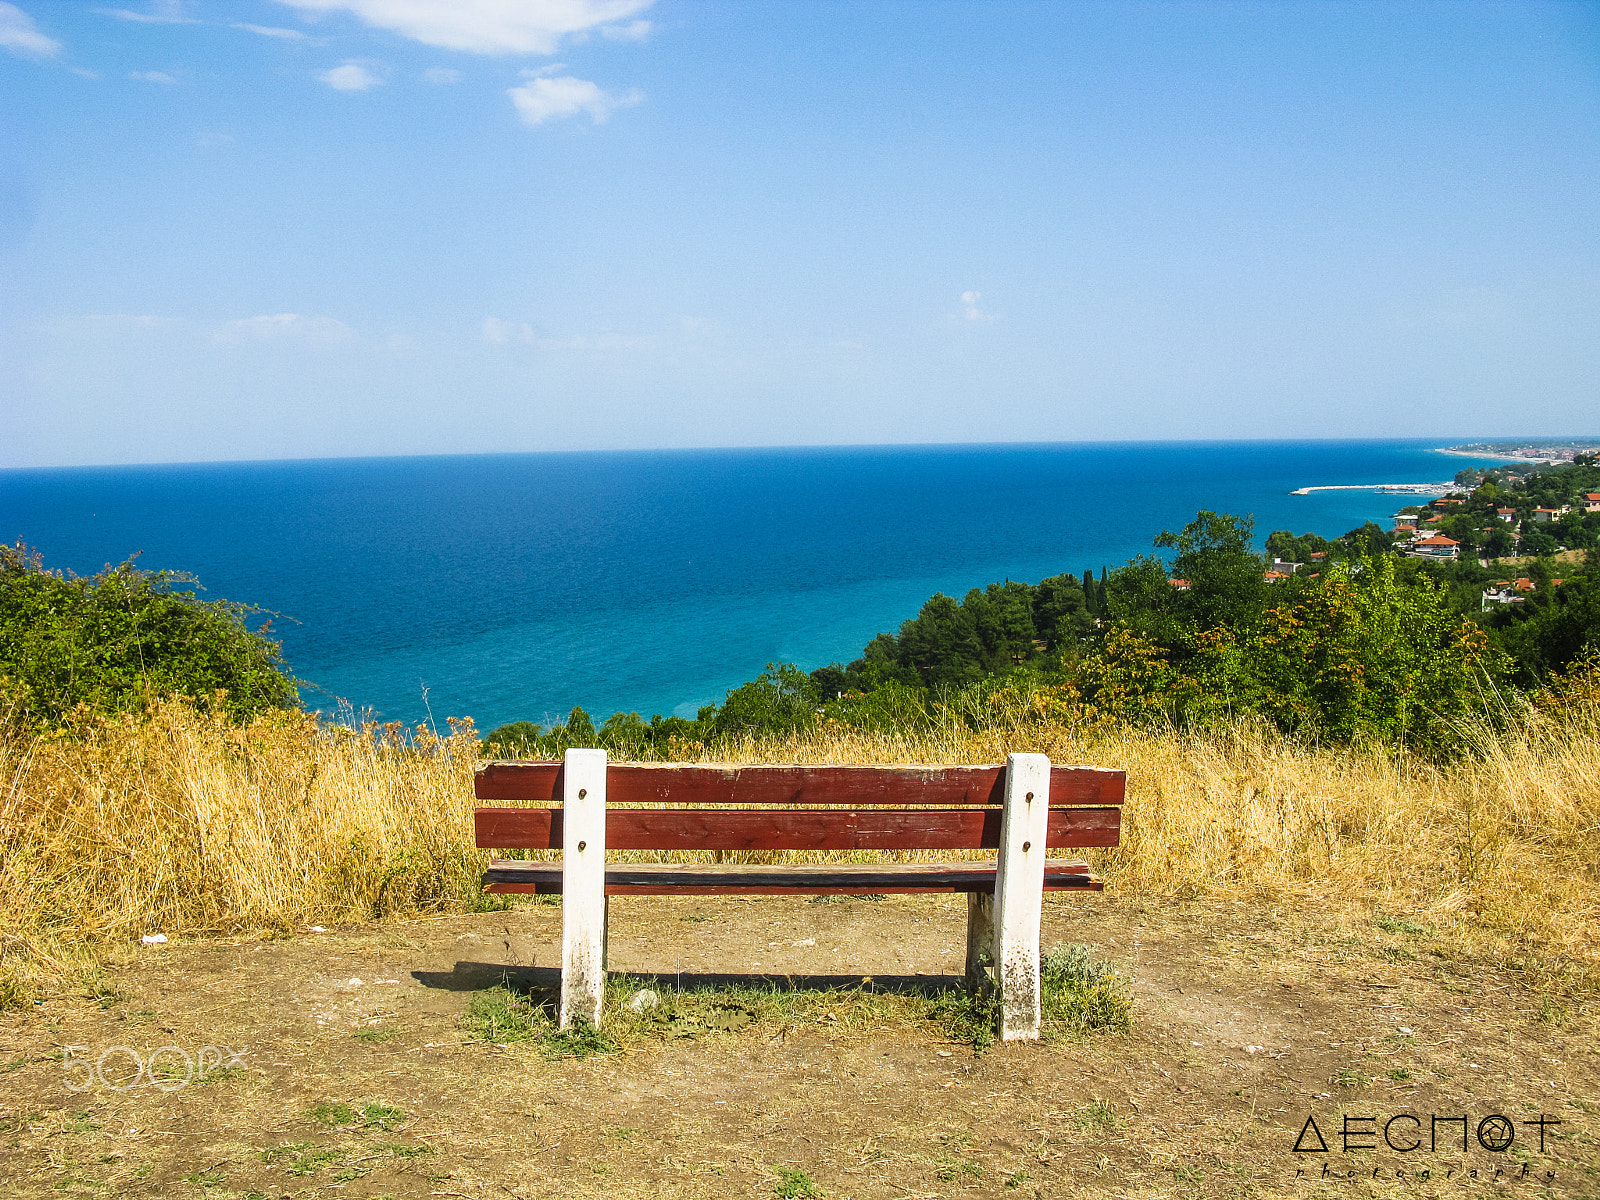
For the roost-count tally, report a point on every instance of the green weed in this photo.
(374, 1036)
(1080, 995)
(795, 1185)
(952, 1167)
(501, 1016)
(371, 1115)
(1399, 925)
(1097, 1114)
(579, 1041)
(401, 1150)
(297, 1158)
(1552, 1012)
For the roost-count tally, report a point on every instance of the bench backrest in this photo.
(794, 807)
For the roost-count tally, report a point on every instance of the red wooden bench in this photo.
(1021, 810)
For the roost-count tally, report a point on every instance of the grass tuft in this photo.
(1080, 995)
(795, 1185)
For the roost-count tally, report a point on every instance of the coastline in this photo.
(1497, 457)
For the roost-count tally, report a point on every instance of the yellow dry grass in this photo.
(183, 824)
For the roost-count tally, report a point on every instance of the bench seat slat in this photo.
(701, 783)
(791, 829)
(511, 875)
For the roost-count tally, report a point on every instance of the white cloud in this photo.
(271, 31)
(162, 12)
(276, 326)
(969, 307)
(151, 76)
(483, 26)
(20, 35)
(633, 31)
(351, 77)
(544, 99)
(502, 333)
(441, 75)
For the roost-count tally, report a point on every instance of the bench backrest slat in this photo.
(701, 783)
(792, 829)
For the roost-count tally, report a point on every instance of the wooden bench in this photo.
(1021, 809)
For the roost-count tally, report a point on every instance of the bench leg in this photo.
(583, 887)
(980, 938)
(1019, 894)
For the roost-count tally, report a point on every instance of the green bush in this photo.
(114, 641)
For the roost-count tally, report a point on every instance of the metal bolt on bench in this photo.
(1022, 810)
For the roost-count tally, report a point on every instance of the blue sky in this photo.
(304, 228)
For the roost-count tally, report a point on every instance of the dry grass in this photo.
(184, 824)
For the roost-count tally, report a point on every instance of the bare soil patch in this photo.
(342, 1067)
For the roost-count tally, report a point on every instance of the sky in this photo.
(255, 229)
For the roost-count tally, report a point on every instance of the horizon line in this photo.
(795, 447)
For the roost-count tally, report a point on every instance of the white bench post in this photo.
(583, 886)
(1019, 894)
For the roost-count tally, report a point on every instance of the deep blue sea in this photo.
(516, 586)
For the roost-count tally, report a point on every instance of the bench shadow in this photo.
(476, 976)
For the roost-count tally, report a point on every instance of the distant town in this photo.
(1547, 450)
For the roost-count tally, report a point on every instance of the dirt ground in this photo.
(1246, 1022)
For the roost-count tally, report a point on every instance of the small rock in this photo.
(643, 999)
(154, 939)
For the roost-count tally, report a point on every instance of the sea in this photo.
(516, 586)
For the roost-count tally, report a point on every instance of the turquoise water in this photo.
(515, 586)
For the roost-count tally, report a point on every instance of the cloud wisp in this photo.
(484, 26)
(546, 98)
(271, 31)
(970, 310)
(350, 77)
(279, 326)
(496, 332)
(162, 12)
(21, 36)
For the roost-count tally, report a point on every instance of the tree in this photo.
(120, 638)
(1498, 542)
(1060, 609)
(1553, 629)
(1372, 655)
(780, 700)
(1225, 574)
(1369, 541)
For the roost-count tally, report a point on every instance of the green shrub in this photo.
(116, 640)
